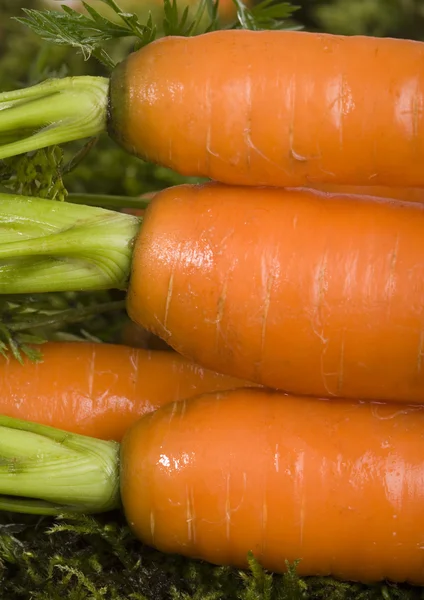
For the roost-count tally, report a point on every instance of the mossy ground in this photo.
(88, 558)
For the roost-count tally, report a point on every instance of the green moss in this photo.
(90, 558)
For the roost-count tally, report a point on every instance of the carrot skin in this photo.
(99, 390)
(278, 108)
(295, 290)
(336, 484)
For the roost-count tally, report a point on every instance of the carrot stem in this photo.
(53, 112)
(57, 247)
(44, 470)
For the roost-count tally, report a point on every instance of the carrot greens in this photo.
(89, 32)
(26, 320)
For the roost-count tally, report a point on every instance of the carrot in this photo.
(99, 390)
(279, 108)
(252, 118)
(336, 484)
(394, 193)
(291, 289)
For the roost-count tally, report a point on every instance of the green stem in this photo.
(110, 202)
(44, 470)
(53, 112)
(50, 246)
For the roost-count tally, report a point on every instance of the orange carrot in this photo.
(278, 108)
(281, 108)
(336, 484)
(99, 389)
(294, 290)
(395, 193)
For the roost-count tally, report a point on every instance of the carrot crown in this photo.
(47, 471)
(52, 112)
(60, 246)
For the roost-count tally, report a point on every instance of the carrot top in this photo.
(26, 321)
(81, 247)
(47, 471)
(89, 32)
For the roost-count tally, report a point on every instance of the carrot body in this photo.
(280, 108)
(99, 390)
(395, 193)
(291, 289)
(336, 484)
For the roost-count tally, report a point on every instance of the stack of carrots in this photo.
(289, 422)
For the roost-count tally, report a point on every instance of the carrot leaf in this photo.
(57, 28)
(28, 321)
(175, 25)
(267, 14)
(89, 32)
(86, 32)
